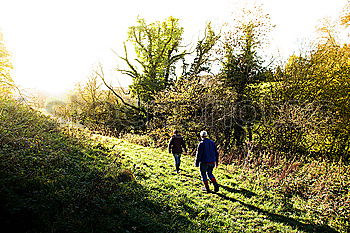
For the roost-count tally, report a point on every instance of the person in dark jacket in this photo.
(175, 146)
(207, 158)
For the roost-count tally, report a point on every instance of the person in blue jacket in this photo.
(207, 158)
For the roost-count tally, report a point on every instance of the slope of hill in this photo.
(57, 178)
(241, 205)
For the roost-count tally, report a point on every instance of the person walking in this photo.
(207, 158)
(175, 146)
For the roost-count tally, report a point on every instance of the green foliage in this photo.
(322, 182)
(318, 187)
(6, 82)
(203, 60)
(242, 49)
(249, 200)
(55, 179)
(157, 48)
(308, 106)
(100, 109)
(143, 140)
(196, 104)
(300, 108)
(242, 66)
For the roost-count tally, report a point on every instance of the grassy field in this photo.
(60, 178)
(175, 202)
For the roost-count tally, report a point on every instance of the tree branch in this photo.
(101, 75)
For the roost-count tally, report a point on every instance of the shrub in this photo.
(143, 140)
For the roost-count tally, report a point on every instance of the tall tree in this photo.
(203, 53)
(157, 48)
(320, 81)
(242, 65)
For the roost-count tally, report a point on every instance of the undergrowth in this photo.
(56, 178)
(321, 188)
(245, 203)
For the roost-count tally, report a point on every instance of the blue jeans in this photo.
(206, 171)
(177, 158)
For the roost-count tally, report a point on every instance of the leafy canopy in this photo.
(157, 50)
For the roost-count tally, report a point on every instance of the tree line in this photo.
(225, 84)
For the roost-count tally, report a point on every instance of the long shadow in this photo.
(248, 194)
(65, 185)
(187, 175)
(244, 192)
(140, 212)
(311, 228)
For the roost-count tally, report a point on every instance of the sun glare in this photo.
(56, 44)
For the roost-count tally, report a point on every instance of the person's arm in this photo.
(199, 154)
(170, 144)
(184, 145)
(217, 155)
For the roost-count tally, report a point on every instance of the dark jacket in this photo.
(206, 152)
(176, 144)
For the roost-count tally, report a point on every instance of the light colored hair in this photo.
(203, 134)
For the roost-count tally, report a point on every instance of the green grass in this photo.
(62, 179)
(241, 205)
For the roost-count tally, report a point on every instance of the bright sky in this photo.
(56, 43)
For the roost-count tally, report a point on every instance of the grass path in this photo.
(176, 200)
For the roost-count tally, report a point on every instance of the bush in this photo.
(194, 104)
(143, 140)
(324, 185)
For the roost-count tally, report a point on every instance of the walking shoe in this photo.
(215, 183)
(216, 187)
(206, 187)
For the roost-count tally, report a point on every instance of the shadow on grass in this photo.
(244, 192)
(137, 211)
(91, 204)
(64, 184)
(311, 228)
(248, 194)
(187, 175)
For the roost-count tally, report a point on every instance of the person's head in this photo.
(175, 132)
(203, 134)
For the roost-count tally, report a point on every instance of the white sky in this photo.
(55, 43)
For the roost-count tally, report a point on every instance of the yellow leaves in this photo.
(345, 18)
(6, 82)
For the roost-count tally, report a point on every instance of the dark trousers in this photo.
(206, 171)
(177, 158)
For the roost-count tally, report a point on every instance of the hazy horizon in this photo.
(56, 44)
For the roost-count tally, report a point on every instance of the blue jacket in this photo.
(206, 152)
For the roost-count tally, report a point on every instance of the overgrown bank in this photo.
(59, 179)
(313, 198)
(55, 179)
